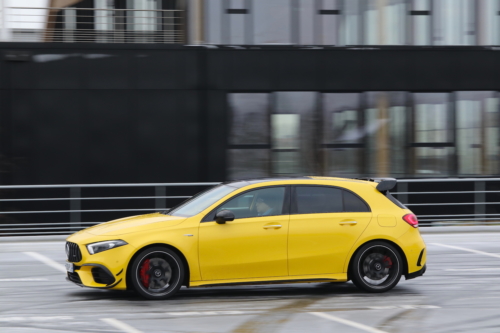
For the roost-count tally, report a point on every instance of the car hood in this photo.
(133, 224)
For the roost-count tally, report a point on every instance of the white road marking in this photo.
(120, 325)
(468, 250)
(472, 269)
(47, 261)
(391, 307)
(347, 322)
(23, 279)
(24, 319)
(212, 313)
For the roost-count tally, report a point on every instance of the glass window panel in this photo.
(249, 122)
(352, 22)
(248, 125)
(318, 199)
(261, 202)
(248, 163)
(488, 26)
(293, 132)
(307, 16)
(432, 119)
(236, 23)
(272, 21)
(421, 24)
(477, 132)
(341, 126)
(384, 22)
(352, 203)
(432, 124)
(454, 22)
(213, 13)
(430, 161)
(201, 201)
(385, 127)
(329, 24)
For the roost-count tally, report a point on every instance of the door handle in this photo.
(272, 226)
(348, 222)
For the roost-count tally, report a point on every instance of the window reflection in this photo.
(363, 134)
(248, 153)
(454, 22)
(477, 132)
(433, 136)
(385, 122)
(295, 110)
(350, 22)
(342, 134)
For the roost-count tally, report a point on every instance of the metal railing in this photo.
(15, 226)
(96, 25)
(466, 201)
(459, 201)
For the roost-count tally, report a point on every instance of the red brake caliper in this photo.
(143, 273)
(387, 261)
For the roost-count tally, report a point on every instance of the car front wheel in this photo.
(157, 273)
(376, 267)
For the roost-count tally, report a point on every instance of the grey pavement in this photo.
(460, 292)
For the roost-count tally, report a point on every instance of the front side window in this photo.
(261, 202)
(326, 199)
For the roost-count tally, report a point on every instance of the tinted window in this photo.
(318, 199)
(261, 202)
(353, 203)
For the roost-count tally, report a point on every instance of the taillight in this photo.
(411, 219)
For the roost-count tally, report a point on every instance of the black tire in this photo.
(157, 273)
(377, 267)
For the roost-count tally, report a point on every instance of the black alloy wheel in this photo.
(157, 273)
(376, 267)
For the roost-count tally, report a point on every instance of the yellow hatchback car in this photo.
(276, 230)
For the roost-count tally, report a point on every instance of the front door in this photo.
(325, 223)
(254, 245)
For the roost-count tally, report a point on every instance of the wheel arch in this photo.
(168, 246)
(398, 248)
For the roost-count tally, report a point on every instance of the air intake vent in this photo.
(73, 252)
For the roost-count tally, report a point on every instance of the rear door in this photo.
(325, 222)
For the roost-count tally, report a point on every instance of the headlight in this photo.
(103, 246)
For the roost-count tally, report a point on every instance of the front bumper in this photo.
(105, 269)
(417, 273)
(100, 277)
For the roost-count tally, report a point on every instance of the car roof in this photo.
(246, 182)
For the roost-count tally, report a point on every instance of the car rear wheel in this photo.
(157, 273)
(376, 267)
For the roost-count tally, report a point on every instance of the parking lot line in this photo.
(347, 322)
(120, 325)
(468, 250)
(47, 261)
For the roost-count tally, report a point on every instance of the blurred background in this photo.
(168, 91)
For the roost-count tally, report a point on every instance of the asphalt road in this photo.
(460, 292)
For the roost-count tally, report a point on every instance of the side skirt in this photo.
(278, 280)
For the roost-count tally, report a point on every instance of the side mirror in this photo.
(224, 216)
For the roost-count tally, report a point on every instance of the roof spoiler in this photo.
(384, 184)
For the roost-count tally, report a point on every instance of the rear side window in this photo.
(352, 203)
(326, 199)
(317, 199)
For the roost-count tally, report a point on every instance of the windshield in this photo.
(200, 202)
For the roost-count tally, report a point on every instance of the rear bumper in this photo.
(416, 274)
